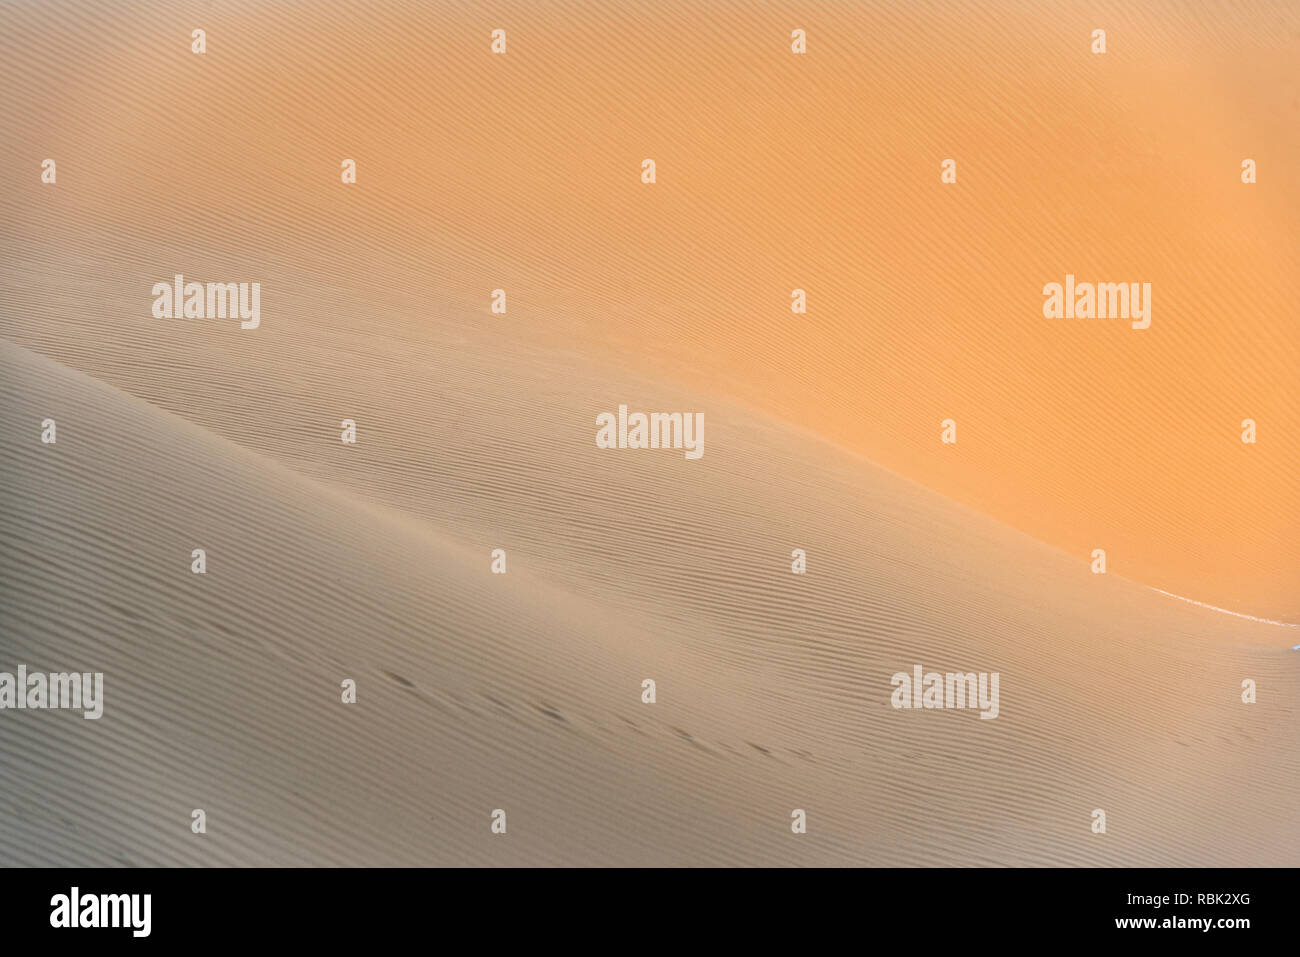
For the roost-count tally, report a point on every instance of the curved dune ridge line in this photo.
(476, 431)
(1225, 611)
(775, 172)
(522, 692)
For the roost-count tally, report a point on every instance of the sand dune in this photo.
(522, 691)
(475, 431)
(775, 172)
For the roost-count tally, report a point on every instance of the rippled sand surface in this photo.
(475, 431)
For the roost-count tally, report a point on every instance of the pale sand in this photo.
(522, 692)
(476, 431)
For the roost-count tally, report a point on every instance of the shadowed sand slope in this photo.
(522, 692)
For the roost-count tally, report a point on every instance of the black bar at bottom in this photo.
(619, 908)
